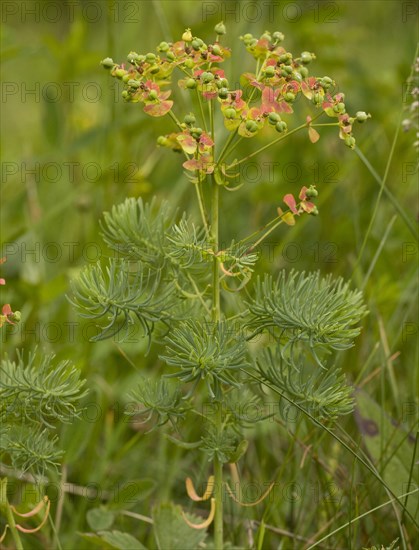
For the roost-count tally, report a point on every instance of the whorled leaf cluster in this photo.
(211, 352)
(308, 317)
(161, 260)
(35, 396)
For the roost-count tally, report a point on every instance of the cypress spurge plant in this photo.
(171, 275)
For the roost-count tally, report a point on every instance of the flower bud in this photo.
(189, 63)
(126, 78)
(220, 28)
(191, 83)
(154, 69)
(281, 126)
(107, 63)
(125, 94)
(153, 95)
(230, 113)
(361, 116)
(195, 45)
(187, 36)
(170, 56)
(303, 71)
(315, 211)
(223, 93)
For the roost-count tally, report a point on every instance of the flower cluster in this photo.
(7, 315)
(280, 79)
(306, 195)
(412, 107)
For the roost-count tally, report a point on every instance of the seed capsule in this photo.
(189, 119)
(107, 63)
(361, 116)
(220, 28)
(163, 47)
(207, 77)
(273, 118)
(281, 126)
(133, 84)
(306, 58)
(191, 83)
(230, 113)
(251, 126)
(289, 97)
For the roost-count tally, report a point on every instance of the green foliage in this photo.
(171, 531)
(39, 391)
(137, 231)
(207, 351)
(304, 308)
(121, 294)
(113, 540)
(39, 210)
(157, 398)
(35, 397)
(325, 395)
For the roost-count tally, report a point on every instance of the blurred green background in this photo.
(71, 148)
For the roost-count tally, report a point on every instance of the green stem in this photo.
(214, 239)
(198, 190)
(12, 527)
(274, 142)
(216, 314)
(388, 193)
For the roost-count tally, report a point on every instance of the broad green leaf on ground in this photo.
(131, 492)
(113, 540)
(390, 446)
(171, 530)
(100, 518)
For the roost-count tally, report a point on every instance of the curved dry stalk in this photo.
(3, 536)
(258, 501)
(192, 494)
(205, 523)
(33, 512)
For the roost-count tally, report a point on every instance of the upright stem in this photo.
(214, 239)
(12, 527)
(216, 314)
